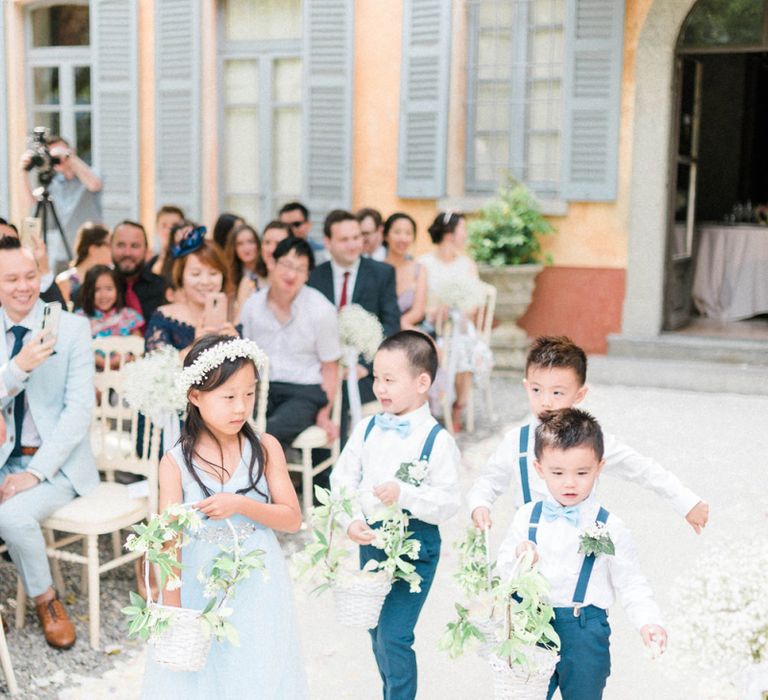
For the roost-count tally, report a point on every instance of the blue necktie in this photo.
(386, 421)
(18, 403)
(553, 511)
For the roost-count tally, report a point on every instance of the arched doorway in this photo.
(716, 253)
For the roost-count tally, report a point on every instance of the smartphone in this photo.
(31, 230)
(216, 309)
(51, 317)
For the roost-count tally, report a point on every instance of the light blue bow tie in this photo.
(387, 421)
(553, 511)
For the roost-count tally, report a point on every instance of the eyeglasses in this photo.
(298, 269)
(297, 224)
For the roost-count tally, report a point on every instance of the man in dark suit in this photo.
(349, 278)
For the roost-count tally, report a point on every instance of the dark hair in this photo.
(300, 248)
(566, 429)
(396, 217)
(169, 209)
(3, 222)
(418, 347)
(335, 217)
(365, 212)
(89, 234)
(444, 223)
(166, 269)
(135, 224)
(223, 226)
(9, 243)
(230, 252)
(557, 351)
(194, 425)
(86, 297)
(294, 206)
(261, 266)
(209, 254)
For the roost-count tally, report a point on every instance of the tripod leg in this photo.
(60, 228)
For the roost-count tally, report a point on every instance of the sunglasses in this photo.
(297, 224)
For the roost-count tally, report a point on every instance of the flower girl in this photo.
(234, 477)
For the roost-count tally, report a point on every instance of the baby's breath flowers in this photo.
(360, 330)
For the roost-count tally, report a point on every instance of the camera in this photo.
(40, 155)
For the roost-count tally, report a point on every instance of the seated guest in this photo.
(242, 256)
(410, 276)
(47, 395)
(296, 215)
(102, 303)
(274, 232)
(225, 224)
(178, 231)
(199, 270)
(372, 228)
(91, 248)
(297, 328)
(167, 217)
(143, 290)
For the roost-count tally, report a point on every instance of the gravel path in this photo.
(716, 443)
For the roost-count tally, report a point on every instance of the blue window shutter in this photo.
(424, 87)
(114, 37)
(177, 105)
(328, 49)
(591, 98)
(5, 172)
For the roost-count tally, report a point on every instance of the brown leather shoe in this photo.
(57, 627)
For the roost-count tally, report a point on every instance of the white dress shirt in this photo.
(338, 280)
(364, 465)
(297, 348)
(503, 470)
(560, 563)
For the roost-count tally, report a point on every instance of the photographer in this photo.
(74, 188)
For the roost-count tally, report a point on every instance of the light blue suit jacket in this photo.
(60, 395)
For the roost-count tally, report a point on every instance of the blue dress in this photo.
(268, 663)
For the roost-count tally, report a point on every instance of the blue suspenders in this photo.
(589, 561)
(426, 450)
(524, 431)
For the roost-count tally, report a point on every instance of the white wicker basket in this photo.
(491, 629)
(523, 682)
(184, 645)
(358, 598)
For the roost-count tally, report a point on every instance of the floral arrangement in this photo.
(360, 330)
(413, 472)
(460, 293)
(720, 624)
(150, 382)
(596, 540)
(395, 540)
(160, 540)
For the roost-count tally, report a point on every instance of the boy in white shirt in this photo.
(555, 376)
(569, 458)
(403, 370)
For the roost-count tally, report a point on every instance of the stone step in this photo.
(693, 375)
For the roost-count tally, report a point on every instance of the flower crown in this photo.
(214, 357)
(190, 243)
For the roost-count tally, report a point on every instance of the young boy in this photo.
(569, 458)
(555, 375)
(403, 370)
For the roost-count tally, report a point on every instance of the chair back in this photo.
(118, 349)
(484, 320)
(262, 394)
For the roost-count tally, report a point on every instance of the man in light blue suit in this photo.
(47, 397)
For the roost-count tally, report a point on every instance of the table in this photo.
(731, 275)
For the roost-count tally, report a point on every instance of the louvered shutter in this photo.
(114, 35)
(424, 87)
(177, 105)
(591, 98)
(5, 173)
(328, 26)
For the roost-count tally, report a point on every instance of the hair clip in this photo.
(447, 217)
(190, 243)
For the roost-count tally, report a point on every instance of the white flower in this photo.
(418, 470)
(150, 382)
(463, 293)
(174, 583)
(360, 330)
(597, 531)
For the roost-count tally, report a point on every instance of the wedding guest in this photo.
(372, 228)
(225, 224)
(144, 291)
(178, 231)
(166, 218)
(297, 327)
(296, 215)
(274, 232)
(410, 276)
(242, 254)
(91, 248)
(101, 302)
(199, 269)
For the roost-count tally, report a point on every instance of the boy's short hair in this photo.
(300, 248)
(169, 209)
(418, 347)
(566, 429)
(557, 351)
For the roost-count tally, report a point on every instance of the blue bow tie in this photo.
(387, 421)
(553, 511)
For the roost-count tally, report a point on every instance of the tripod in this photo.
(44, 206)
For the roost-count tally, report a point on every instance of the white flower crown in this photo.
(213, 357)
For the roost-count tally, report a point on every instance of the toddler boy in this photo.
(403, 370)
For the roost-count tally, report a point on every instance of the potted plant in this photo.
(505, 240)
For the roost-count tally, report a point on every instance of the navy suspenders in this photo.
(586, 566)
(523, 459)
(429, 443)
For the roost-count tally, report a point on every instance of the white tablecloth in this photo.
(731, 277)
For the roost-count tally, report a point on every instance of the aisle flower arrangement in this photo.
(360, 330)
(150, 383)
